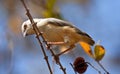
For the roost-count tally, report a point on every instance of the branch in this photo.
(102, 67)
(93, 67)
(37, 34)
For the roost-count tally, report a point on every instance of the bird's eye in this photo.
(25, 27)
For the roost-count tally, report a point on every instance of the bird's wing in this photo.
(57, 22)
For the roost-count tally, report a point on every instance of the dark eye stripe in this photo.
(25, 27)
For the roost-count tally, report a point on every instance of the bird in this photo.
(58, 32)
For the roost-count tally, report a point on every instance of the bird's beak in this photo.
(25, 34)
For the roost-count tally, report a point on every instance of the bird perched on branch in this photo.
(58, 32)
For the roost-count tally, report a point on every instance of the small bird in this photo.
(58, 32)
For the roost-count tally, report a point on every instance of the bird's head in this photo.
(27, 27)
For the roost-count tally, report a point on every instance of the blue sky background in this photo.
(100, 19)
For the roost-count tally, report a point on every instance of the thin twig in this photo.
(73, 68)
(37, 34)
(56, 57)
(102, 67)
(93, 67)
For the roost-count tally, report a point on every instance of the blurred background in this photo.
(99, 18)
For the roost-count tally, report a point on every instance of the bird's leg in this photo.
(66, 40)
(55, 43)
(71, 47)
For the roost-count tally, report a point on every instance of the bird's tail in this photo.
(87, 48)
(86, 44)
